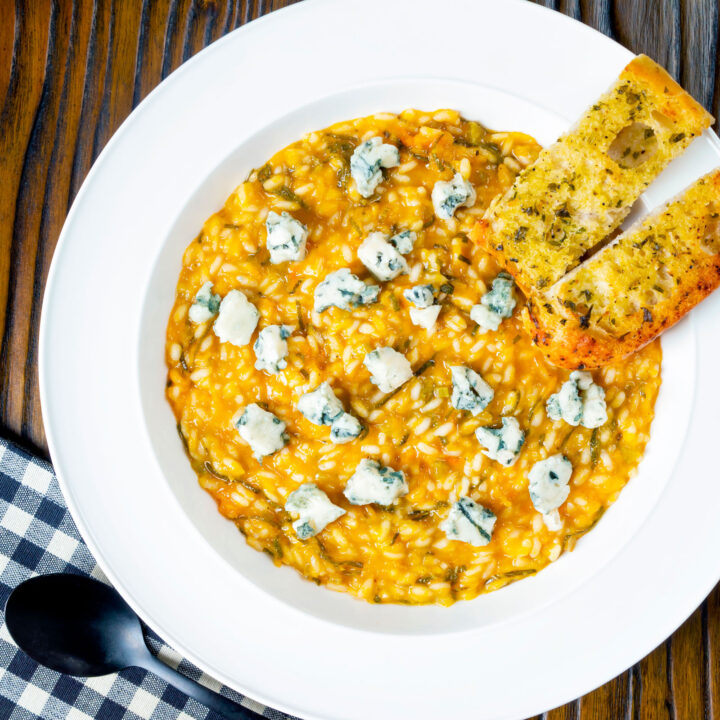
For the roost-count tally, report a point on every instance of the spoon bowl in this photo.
(74, 625)
(80, 626)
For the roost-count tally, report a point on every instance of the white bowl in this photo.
(159, 537)
(495, 109)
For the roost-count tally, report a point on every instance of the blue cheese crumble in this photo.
(502, 444)
(425, 317)
(447, 197)
(388, 368)
(367, 162)
(344, 428)
(470, 391)
(421, 295)
(549, 488)
(496, 304)
(261, 430)
(314, 509)
(373, 483)
(469, 522)
(236, 319)
(344, 290)
(425, 314)
(322, 407)
(271, 348)
(403, 241)
(381, 258)
(579, 402)
(205, 305)
(286, 237)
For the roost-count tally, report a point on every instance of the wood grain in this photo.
(71, 72)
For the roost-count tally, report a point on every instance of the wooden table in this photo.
(71, 72)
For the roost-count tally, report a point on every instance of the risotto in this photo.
(352, 382)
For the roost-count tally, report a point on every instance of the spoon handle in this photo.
(218, 703)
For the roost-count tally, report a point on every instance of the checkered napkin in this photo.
(38, 536)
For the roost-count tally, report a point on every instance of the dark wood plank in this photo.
(714, 57)
(22, 167)
(92, 92)
(633, 18)
(571, 8)
(119, 80)
(7, 46)
(58, 188)
(178, 23)
(698, 40)
(612, 700)
(571, 711)
(711, 637)
(687, 668)
(70, 73)
(653, 697)
(9, 81)
(153, 32)
(598, 14)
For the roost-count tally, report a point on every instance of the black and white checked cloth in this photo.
(38, 536)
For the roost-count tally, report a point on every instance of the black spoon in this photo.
(79, 626)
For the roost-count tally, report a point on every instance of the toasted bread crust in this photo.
(571, 348)
(671, 99)
(636, 287)
(582, 187)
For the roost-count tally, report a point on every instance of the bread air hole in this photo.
(634, 145)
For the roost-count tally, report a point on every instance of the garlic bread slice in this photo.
(636, 287)
(581, 188)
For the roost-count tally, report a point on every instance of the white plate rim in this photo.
(670, 622)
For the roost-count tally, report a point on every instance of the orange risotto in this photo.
(389, 430)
